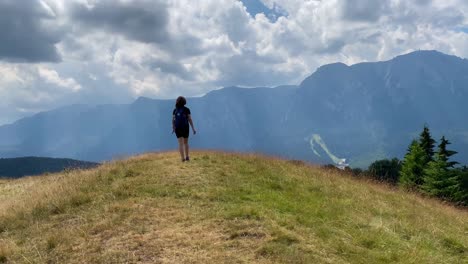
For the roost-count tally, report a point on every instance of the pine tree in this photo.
(411, 174)
(446, 154)
(427, 143)
(440, 179)
(462, 196)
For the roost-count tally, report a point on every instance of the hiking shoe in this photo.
(187, 159)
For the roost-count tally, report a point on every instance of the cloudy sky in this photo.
(60, 52)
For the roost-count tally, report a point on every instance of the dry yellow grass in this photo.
(221, 208)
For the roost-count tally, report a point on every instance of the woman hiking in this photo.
(181, 118)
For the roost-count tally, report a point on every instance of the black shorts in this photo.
(182, 132)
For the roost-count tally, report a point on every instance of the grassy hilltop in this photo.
(221, 208)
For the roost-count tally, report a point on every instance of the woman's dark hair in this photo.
(180, 102)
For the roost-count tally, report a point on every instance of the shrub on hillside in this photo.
(385, 170)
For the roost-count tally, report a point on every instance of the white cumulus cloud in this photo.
(52, 77)
(102, 51)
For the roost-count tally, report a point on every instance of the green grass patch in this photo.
(222, 208)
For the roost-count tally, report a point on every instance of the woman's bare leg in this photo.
(186, 147)
(181, 148)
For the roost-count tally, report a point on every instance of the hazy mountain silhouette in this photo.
(362, 112)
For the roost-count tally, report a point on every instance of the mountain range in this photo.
(360, 113)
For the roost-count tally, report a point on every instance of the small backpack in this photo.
(181, 119)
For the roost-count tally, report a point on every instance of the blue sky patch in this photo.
(462, 29)
(256, 6)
